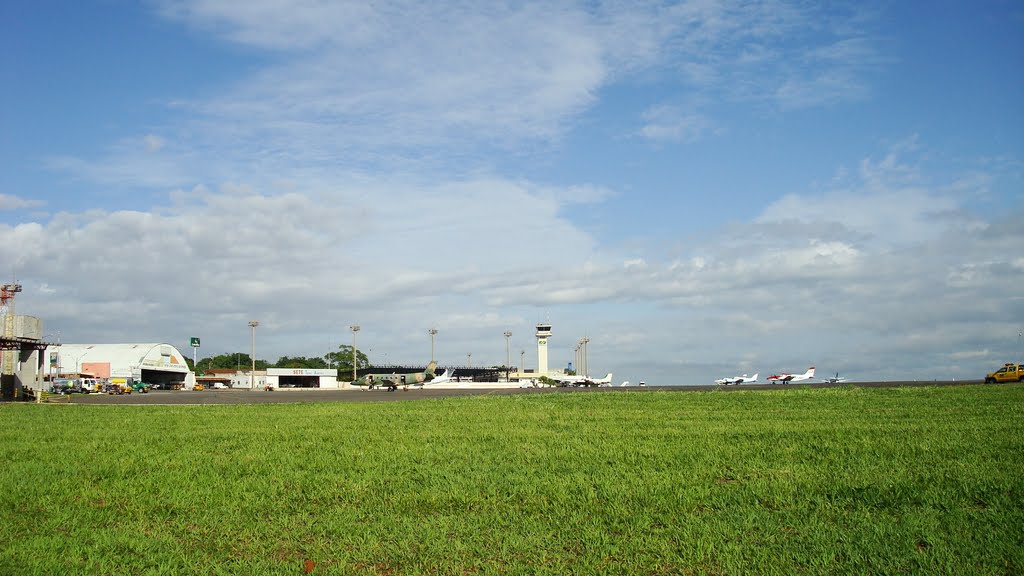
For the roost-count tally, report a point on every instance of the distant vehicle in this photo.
(834, 379)
(784, 378)
(1010, 372)
(393, 381)
(737, 380)
(65, 386)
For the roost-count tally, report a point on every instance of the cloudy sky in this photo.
(701, 188)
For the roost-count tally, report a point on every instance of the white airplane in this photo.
(737, 379)
(446, 376)
(784, 378)
(835, 380)
(566, 380)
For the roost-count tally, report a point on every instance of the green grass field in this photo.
(797, 481)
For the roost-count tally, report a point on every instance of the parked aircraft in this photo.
(393, 381)
(834, 380)
(776, 378)
(567, 380)
(446, 376)
(737, 379)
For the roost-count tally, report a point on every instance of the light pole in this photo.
(469, 359)
(433, 333)
(585, 360)
(522, 354)
(354, 328)
(576, 357)
(252, 374)
(508, 358)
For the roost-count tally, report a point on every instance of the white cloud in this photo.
(405, 75)
(669, 123)
(10, 202)
(477, 257)
(153, 143)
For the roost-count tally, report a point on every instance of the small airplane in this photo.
(784, 378)
(737, 379)
(393, 381)
(567, 380)
(834, 380)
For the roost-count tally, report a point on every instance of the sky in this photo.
(702, 189)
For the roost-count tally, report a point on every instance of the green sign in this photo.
(194, 342)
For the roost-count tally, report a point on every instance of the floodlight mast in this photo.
(354, 328)
(252, 374)
(508, 356)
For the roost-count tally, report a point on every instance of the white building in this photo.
(152, 363)
(302, 378)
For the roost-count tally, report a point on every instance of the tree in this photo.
(233, 361)
(300, 362)
(547, 381)
(342, 359)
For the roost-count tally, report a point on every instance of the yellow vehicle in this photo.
(1010, 372)
(198, 387)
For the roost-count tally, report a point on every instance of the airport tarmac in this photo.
(213, 397)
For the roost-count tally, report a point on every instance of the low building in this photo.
(153, 363)
(302, 378)
(236, 378)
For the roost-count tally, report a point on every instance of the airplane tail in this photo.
(810, 372)
(431, 368)
(754, 378)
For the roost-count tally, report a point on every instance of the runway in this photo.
(214, 397)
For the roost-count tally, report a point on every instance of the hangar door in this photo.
(292, 381)
(165, 379)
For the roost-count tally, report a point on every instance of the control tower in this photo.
(543, 333)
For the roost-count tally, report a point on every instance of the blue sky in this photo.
(701, 188)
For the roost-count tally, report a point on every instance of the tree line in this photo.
(341, 360)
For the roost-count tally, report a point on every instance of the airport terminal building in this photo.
(152, 363)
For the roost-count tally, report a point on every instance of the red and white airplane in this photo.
(776, 378)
